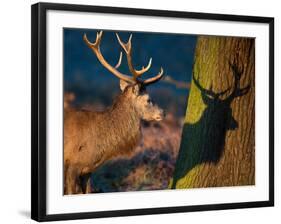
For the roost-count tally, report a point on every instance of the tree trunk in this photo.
(218, 139)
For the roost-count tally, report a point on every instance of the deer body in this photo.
(91, 138)
(95, 137)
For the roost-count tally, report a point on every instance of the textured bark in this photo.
(218, 143)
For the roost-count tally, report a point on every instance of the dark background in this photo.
(94, 87)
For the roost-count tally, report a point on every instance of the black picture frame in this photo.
(38, 108)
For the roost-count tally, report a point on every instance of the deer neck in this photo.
(124, 114)
(125, 124)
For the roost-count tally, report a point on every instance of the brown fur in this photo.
(91, 138)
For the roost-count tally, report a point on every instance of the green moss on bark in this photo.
(204, 160)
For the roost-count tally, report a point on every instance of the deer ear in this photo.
(123, 84)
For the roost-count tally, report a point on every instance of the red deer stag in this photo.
(91, 138)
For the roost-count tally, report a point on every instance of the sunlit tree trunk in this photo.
(218, 140)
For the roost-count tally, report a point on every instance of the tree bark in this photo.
(218, 139)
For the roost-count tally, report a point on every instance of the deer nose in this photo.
(160, 115)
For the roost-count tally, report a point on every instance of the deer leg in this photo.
(70, 180)
(85, 181)
(88, 186)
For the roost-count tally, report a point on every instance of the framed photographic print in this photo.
(138, 111)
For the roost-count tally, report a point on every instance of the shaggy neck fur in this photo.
(122, 125)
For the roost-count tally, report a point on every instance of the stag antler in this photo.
(127, 47)
(96, 49)
(236, 92)
(209, 92)
(237, 76)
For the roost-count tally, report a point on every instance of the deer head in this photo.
(219, 104)
(133, 87)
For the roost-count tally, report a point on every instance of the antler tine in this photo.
(155, 78)
(209, 92)
(237, 76)
(202, 89)
(145, 69)
(97, 42)
(119, 61)
(126, 46)
(128, 49)
(96, 49)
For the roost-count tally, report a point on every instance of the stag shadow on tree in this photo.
(204, 141)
